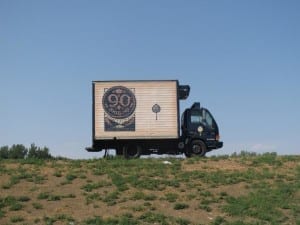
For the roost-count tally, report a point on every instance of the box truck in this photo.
(143, 117)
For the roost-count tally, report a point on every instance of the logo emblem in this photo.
(119, 104)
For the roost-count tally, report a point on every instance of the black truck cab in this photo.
(200, 131)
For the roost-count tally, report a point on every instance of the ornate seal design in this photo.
(119, 102)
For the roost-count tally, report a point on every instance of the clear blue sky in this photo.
(241, 59)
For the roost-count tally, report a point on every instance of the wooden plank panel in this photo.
(147, 124)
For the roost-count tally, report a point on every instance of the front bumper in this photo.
(214, 144)
(219, 144)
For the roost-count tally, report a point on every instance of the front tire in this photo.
(197, 148)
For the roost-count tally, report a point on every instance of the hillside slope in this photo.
(218, 190)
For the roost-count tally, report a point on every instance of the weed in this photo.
(1, 213)
(16, 219)
(154, 218)
(125, 219)
(69, 196)
(94, 221)
(70, 177)
(180, 206)
(150, 197)
(37, 220)
(23, 199)
(54, 198)
(92, 197)
(172, 183)
(191, 197)
(59, 217)
(15, 206)
(138, 208)
(43, 195)
(218, 221)
(148, 183)
(206, 193)
(205, 207)
(223, 195)
(111, 198)
(142, 196)
(182, 221)
(91, 186)
(138, 196)
(37, 205)
(57, 173)
(10, 202)
(171, 197)
(119, 181)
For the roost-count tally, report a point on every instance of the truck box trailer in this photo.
(143, 117)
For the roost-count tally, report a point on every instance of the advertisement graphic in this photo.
(119, 104)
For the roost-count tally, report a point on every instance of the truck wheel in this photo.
(132, 151)
(197, 148)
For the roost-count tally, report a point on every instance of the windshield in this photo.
(196, 117)
(202, 117)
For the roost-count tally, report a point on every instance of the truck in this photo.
(142, 117)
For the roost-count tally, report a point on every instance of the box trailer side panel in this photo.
(136, 110)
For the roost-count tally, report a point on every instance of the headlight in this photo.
(200, 129)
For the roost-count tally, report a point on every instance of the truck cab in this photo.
(200, 131)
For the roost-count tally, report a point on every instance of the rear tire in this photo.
(197, 148)
(132, 151)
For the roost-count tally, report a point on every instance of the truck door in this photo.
(210, 129)
(203, 125)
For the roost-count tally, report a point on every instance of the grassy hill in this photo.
(238, 190)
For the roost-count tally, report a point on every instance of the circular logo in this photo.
(119, 102)
(156, 108)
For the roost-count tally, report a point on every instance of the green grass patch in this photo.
(264, 204)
